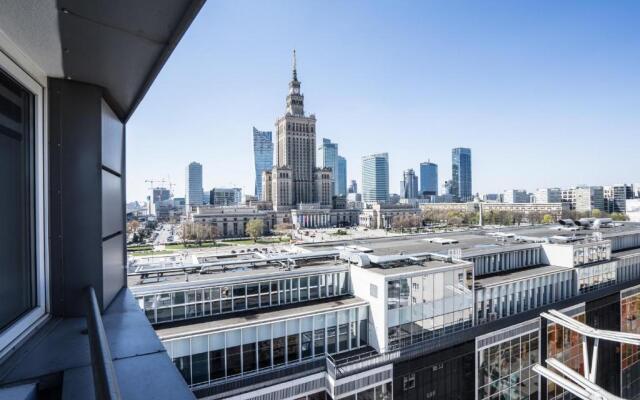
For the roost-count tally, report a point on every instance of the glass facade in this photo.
(375, 178)
(461, 173)
(17, 204)
(566, 346)
(593, 277)
(221, 355)
(505, 369)
(590, 254)
(379, 392)
(425, 306)
(262, 156)
(194, 303)
(501, 301)
(630, 354)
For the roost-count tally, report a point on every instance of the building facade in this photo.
(515, 196)
(375, 178)
(225, 197)
(328, 158)
(548, 195)
(262, 156)
(409, 185)
(615, 197)
(428, 179)
(341, 177)
(296, 143)
(353, 186)
(461, 182)
(193, 191)
(588, 198)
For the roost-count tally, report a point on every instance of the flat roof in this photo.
(500, 279)
(257, 316)
(228, 275)
(471, 242)
(410, 268)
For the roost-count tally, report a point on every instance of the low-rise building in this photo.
(381, 215)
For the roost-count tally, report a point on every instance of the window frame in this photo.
(20, 328)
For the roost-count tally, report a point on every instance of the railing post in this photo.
(105, 382)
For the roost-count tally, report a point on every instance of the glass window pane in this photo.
(17, 263)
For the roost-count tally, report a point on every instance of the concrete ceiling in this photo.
(120, 45)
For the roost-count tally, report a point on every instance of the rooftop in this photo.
(517, 275)
(471, 242)
(253, 318)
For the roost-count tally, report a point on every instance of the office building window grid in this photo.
(565, 346)
(426, 306)
(179, 305)
(630, 354)
(505, 369)
(218, 356)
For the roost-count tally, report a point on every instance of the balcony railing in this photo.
(105, 382)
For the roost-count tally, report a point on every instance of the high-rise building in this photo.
(353, 186)
(515, 196)
(409, 184)
(428, 179)
(548, 195)
(341, 177)
(615, 197)
(375, 178)
(461, 174)
(160, 194)
(193, 191)
(225, 196)
(262, 156)
(296, 143)
(327, 157)
(588, 198)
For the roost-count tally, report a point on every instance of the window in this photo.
(21, 207)
(409, 382)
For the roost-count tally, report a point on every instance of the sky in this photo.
(545, 93)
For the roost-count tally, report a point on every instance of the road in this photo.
(163, 235)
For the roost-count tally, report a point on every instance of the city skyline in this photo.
(418, 93)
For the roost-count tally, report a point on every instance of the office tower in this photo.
(428, 179)
(160, 194)
(341, 179)
(409, 184)
(375, 178)
(296, 143)
(262, 156)
(193, 191)
(615, 197)
(328, 158)
(461, 174)
(588, 198)
(225, 196)
(353, 186)
(515, 196)
(548, 195)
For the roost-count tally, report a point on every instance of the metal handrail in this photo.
(105, 382)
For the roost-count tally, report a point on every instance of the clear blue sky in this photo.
(544, 93)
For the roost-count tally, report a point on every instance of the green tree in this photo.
(547, 219)
(616, 216)
(595, 213)
(254, 229)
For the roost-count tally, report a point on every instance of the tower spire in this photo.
(295, 73)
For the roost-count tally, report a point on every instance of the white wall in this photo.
(361, 279)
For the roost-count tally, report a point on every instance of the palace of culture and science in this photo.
(295, 181)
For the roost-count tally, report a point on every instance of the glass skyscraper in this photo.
(328, 157)
(193, 180)
(375, 178)
(461, 173)
(428, 179)
(341, 177)
(262, 156)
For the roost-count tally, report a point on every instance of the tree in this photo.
(547, 219)
(254, 229)
(133, 226)
(616, 216)
(595, 213)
